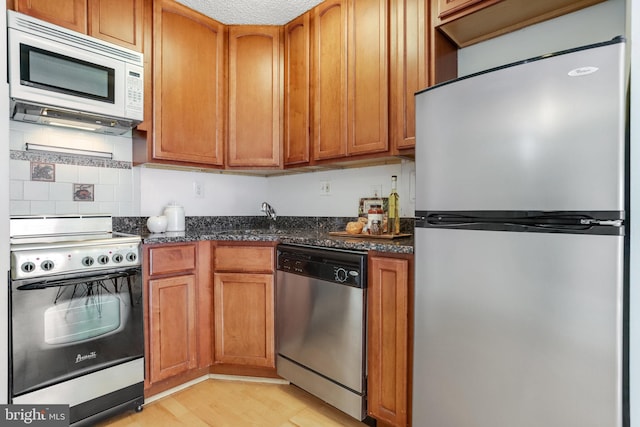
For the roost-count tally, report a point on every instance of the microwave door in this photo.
(51, 73)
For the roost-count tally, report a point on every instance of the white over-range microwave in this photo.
(64, 78)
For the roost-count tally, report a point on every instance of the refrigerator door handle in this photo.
(609, 222)
(560, 222)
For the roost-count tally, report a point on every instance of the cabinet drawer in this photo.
(172, 259)
(244, 259)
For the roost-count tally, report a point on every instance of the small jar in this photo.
(375, 217)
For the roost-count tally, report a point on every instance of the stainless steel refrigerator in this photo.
(521, 275)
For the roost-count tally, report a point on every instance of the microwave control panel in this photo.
(135, 90)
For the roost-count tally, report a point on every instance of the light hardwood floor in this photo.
(224, 403)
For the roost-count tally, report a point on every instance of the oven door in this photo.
(66, 327)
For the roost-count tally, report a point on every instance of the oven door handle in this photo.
(70, 281)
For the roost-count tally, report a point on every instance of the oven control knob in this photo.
(132, 256)
(103, 259)
(87, 261)
(117, 258)
(340, 275)
(28, 267)
(47, 265)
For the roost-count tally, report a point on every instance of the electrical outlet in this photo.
(198, 189)
(325, 188)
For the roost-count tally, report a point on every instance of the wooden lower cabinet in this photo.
(178, 316)
(243, 308)
(172, 325)
(244, 319)
(390, 295)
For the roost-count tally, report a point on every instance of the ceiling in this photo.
(251, 12)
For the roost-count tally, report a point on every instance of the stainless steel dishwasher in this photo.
(321, 324)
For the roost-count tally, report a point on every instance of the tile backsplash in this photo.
(53, 183)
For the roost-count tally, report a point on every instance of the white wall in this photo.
(299, 195)
(290, 195)
(4, 205)
(591, 25)
(221, 194)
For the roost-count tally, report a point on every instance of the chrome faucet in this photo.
(268, 210)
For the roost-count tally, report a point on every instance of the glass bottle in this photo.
(393, 223)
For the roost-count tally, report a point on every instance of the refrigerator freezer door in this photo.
(517, 329)
(541, 135)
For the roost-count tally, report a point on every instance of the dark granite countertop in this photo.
(291, 230)
(297, 237)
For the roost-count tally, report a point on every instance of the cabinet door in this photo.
(388, 336)
(255, 96)
(172, 326)
(117, 21)
(71, 14)
(368, 77)
(188, 92)
(329, 79)
(409, 67)
(244, 319)
(296, 94)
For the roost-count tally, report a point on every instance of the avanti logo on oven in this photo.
(83, 357)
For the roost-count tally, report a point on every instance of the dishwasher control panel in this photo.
(331, 265)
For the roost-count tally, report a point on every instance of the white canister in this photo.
(157, 224)
(175, 217)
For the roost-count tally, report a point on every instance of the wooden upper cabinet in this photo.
(296, 83)
(117, 21)
(188, 92)
(350, 78)
(255, 96)
(448, 8)
(368, 81)
(409, 68)
(467, 22)
(71, 14)
(329, 79)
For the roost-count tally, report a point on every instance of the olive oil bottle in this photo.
(393, 222)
